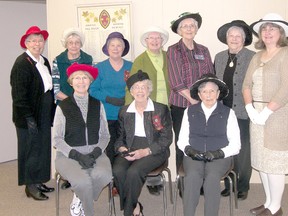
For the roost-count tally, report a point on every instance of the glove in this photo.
(85, 161)
(213, 155)
(115, 101)
(263, 116)
(252, 113)
(95, 153)
(194, 154)
(32, 126)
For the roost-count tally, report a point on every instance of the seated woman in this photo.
(80, 135)
(209, 136)
(145, 134)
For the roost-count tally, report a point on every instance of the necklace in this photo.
(231, 64)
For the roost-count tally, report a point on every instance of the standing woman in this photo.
(33, 111)
(187, 62)
(72, 40)
(110, 85)
(265, 94)
(231, 66)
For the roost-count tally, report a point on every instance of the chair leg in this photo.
(164, 194)
(175, 195)
(112, 210)
(235, 188)
(231, 195)
(58, 178)
(170, 184)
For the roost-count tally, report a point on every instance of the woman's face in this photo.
(73, 45)
(270, 35)
(209, 94)
(235, 40)
(188, 29)
(154, 42)
(35, 44)
(80, 82)
(140, 91)
(115, 48)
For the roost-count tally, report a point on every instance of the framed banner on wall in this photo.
(98, 21)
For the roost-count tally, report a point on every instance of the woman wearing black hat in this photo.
(231, 66)
(187, 61)
(209, 136)
(145, 134)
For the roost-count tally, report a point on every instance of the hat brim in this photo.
(224, 91)
(256, 26)
(44, 33)
(164, 35)
(82, 67)
(222, 32)
(125, 51)
(195, 16)
(68, 32)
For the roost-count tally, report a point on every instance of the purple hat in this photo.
(116, 35)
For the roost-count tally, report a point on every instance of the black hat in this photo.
(139, 76)
(185, 15)
(222, 31)
(209, 78)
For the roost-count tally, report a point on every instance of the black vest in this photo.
(75, 126)
(208, 136)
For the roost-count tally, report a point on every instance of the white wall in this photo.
(15, 19)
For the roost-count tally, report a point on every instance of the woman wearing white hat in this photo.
(153, 60)
(265, 94)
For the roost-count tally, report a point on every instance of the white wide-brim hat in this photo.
(71, 31)
(270, 18)
(164, 34)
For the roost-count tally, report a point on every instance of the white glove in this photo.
(263, 116)
(252, 113)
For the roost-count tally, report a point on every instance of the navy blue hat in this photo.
(139, 76)
(116, 35)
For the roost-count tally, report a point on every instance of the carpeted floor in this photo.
(13, 201)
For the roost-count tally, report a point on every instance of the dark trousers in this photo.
(177, 116)
(242, 161)
(130, 176)
(110, 151)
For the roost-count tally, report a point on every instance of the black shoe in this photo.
(225, 192)
(154, 190)
(44, 189)
(201, 191)
(65, 185)
(35, 194)
(242, 195)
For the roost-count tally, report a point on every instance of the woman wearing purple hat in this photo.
(231, 66)
(80, 135)
(265, 94)
(33, 110)
(110, 85)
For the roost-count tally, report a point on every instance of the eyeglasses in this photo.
(34, 41)
(186, 27)
(78, 78)
(139, 87)
(154, 38)
(76, 43)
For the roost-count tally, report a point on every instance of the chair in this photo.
(112, 210)
(159, 172)
(227, 175)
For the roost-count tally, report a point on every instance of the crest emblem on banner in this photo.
(104, 19)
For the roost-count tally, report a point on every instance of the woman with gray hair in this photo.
(145, 134)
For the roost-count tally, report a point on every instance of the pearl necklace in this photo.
(231, 64)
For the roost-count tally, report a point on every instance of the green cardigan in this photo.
(144, 63)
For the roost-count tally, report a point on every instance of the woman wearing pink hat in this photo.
(33, 108)
(80, 135)
(265, 94)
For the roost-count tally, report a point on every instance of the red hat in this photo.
(82, 67)
(33, 30)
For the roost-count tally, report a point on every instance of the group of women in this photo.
(93, 128)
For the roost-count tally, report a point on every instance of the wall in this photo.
(15, 19)
(63, 14)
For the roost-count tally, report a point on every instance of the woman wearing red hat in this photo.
(81, 135)
(33, 111)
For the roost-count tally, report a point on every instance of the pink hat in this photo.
(82, 67)
(33, 30)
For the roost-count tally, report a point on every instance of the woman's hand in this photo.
(138, 154)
